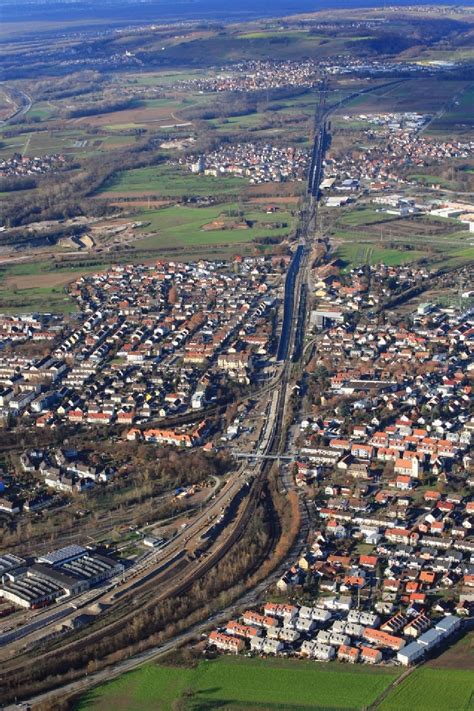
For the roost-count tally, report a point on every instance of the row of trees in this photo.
(102, 107)
(58, 198)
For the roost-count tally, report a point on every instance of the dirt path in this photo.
(375, 705)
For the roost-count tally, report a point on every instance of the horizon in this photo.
(139, 11)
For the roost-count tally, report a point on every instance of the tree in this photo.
(344, 409)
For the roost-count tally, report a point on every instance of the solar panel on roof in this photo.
(62, 554)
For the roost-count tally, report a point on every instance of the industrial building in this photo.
(62, 573)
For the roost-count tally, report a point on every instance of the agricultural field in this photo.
(164, 181)
(363, 216)
(88, 135)
(68, 141)
(409, 229)
(237, 683)
(422, 94)
(459, 115)
(428, 689)
(43, 299)
(286, 44)
(458, 656)
(40, 285)
(355, 255)
(365, 236)
(231, 223)
(458, 258)
(151, 113)
(278, 120)
(448, 102)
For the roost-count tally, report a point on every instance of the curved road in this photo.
(22, 109)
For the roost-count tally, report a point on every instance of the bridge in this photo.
(257, 455)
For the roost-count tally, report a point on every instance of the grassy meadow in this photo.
(355, 255)
(433, 690)
(229, 223)
(237, 683)
(366, 236)
(168, 181)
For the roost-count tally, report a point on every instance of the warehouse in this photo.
(71, 585)
(63, 573)
(9, 562)
(62, 555)
(28, 591)
(93, 568)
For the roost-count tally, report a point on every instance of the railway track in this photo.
(188, 572)
(146, 596)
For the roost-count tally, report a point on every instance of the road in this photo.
(22, 108)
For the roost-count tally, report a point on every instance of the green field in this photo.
(237, 683)
(179, 226)
(459, 257)
(46, 298)
(459, 114)
(427, 179)
(424, 94)
(364, 216)
(366, 236)
(170, 181)
(263, 34)
(67, 141)
(358, 254)
(43, 299)
(433, 690)
(246, 121)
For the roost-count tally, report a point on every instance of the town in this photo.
(396, 147)
(236, 358)
(388, 471)
(24, 166)
(258, 163)
(382, 453)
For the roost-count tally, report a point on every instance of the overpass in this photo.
(262, 457)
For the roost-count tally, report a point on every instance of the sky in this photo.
(155, 10)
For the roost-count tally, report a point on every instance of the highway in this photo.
(21, 101)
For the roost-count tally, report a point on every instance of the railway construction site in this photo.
(211, 537)
(144, 596)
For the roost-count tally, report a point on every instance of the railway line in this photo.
(174, 575)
